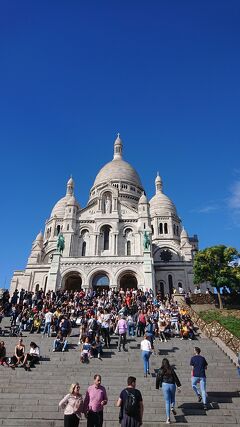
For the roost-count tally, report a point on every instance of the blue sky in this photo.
(165, 74)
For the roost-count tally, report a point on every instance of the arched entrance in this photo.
(100, 281)
(73, 282)
(128, 281)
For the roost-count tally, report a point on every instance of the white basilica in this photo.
(104, 240)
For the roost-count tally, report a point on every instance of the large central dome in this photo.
(118, 169)
(121, 175)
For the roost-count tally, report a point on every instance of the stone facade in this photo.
(104, 240)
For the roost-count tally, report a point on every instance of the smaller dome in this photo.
(160, 204)
(143, 199)
(39, 237)
(59, 208)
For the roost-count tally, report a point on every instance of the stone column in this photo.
(148, 271)
(54, 277)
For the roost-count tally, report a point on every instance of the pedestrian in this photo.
(167, 379)
(199, 366)
(72, 404)
(131, 405)
(146, 349)
(121, 329)
(48, 320)
(95, 400)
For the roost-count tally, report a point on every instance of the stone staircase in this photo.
(31, 398)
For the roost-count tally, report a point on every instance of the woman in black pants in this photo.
(72, 404)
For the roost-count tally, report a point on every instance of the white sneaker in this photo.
(168, 421)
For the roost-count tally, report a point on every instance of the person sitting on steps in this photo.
(60, 343)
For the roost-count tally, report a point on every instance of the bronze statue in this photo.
(60, 243)
(146, 240)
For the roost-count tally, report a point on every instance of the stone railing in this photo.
(214, 329)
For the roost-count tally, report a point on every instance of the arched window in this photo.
(162, 289)
(152, 229)
(37, 287)
(84, 245)
(128, 248)
(165, 228)
(170, 284)
(67, 227)
(174, 229)
(160, 228)
(177, 230)
(58, 229)
(106, 233)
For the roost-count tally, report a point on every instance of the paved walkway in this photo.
(31, 398)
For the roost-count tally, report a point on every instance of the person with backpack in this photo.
(167, 379)
(130, 403)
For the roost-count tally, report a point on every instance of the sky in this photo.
(165, 74)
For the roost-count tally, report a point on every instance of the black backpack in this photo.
(130, 406)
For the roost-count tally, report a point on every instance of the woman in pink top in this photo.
(72, 404)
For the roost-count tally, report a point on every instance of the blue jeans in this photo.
(131, 330)
(169, 391)
(60, 346)
(202, 381)
(47, 328)
(145, 357)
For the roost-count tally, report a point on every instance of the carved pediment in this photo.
(126, 211)
(89, 211)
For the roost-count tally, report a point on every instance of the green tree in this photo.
(214, 265)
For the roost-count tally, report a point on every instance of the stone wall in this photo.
(214, 329)
(202, 299)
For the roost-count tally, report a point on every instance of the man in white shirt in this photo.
(48, 320)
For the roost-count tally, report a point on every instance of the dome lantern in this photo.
(70, 187)
(118, 146)
(158, 184)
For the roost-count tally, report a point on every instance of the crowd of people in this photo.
(99, 315)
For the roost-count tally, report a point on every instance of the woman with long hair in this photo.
(19, 354)
(72, 404)
(33, 356)
(168, 380)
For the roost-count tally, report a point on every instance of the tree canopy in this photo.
(214, 265)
